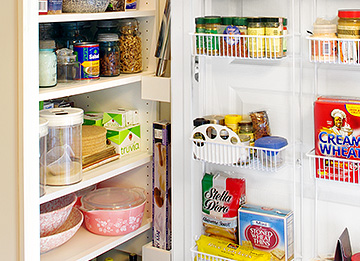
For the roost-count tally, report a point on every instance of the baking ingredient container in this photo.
(85, 6)
(63, 157)
(212, 26)
(200, 40)
(274, 44)
(88, 57)
(47, 64)
(109, 47)
(113, 211)
(241, 47)
(256, 43)
(68, 69)
(232, 122)
(272, 155)
(324, 49)
(348, 28)
(43, 132)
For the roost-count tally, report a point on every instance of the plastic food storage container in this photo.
(270, 157)
(113, 211)
(63, 157)
(43, 132)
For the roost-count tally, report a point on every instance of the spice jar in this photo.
(246, 129)
(63, 157)
(274, 44)
(47, 64)
(107, 27)
(232, 122)
(285, 32)
(198, 135)
(256, 41)
(72, 33)
(229, 46)
(348, 28)
(242, 24)
(109, 47)
(43, 132)
(200, 39)
(212, 26)
(130, 46)
(323, 49)
(68, 69)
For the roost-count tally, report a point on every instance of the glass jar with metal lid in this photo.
(200, 39)
(348, 28)
(256, 43)
(107, 27)
(72, 33)
(47, 64)
(242, 24)
(212, 26)
(109, 48)
(229, 46)
(274, 44)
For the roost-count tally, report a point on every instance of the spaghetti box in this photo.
(267, 229)
(93, 118)
(161, 207)
(125, 140)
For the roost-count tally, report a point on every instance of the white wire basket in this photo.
(238, 46)
(199, 256)
(218, 144)
(334, 50)
(334, 169)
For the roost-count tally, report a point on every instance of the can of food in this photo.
(88, 57)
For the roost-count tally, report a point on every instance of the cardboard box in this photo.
(121, 118)
(93, 118)
(267, 229)
(125, 140)
(161, 207)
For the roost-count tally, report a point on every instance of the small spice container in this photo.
(68, 69)
(268, 156)
(285, 32)
(229, 46)
(63, 157)
(47, 64)
(130, 46)
(109, 47)
(348, 28)
(200, 39)
(198, 122)
(274, 44)
(43, 132)
(232, 122)
(246, 129)
(241, 23)
(256, 43)
(212, 26)
(324, 49)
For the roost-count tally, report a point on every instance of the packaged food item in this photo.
(212, 26)
(337, 129)
(271, 158)
(68, 69)
(116, 5)
(285, 32)
(223, 248)
(55, 6)
(43, 7)
(200, 40)
(256, 43)
(161, 208)
(267, 229)
(109, 47)
(246, 129)
(229, 46)
(274, 44)
(232, 122)
(261, 126)
(88, 57)
(131, 4)
(221, 198)
(323, 49)
(47, 64)
(242, 24)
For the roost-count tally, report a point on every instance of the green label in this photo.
(212, 42)
(200, 39)
(207, 184)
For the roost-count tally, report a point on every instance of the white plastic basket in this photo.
(238, 46)
(210, 145)
(334, 169)
(199, 256)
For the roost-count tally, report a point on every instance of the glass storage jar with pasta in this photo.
(130, 46)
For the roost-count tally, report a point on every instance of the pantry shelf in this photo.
(86, 245)
(72, 17)
(334, 169)
(99, 174)
(86, 86)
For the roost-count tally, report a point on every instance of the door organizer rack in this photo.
(334, 169)
(334, 50)
(200, 256)
(238, 46)
(218, 144)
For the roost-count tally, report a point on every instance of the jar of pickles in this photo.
(109, 47)
(130, 46)
(256, 41)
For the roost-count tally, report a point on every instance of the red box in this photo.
(337, 134)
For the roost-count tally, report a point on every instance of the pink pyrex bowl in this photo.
(54, 213)
(113, 211)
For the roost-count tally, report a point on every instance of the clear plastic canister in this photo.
(63, 157)
(43, 132)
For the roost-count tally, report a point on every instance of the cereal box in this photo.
(337, 134)
(267, 229)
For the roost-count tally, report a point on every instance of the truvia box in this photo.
(161, 207)
(125, 140)
(267, 229)
(120, 118)
(93, 118)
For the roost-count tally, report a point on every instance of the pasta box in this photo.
(267, 229)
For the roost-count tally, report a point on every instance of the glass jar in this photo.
(107, 27)
(68, 68)
(256, 44)
(246, 129)
(47, 31)
(273, 28)
(229, 46)
(72, 33)
(116, 5)
(130, 46)
(43, 132)
(232, 122)
(348, 28)
(47, 64)
(109, 47)
(200, 40)
(212, 26)
(63, 156)
(324, 48)
(242, 24)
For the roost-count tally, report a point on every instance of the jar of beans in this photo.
(109, 47)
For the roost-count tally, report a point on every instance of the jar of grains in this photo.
(256, 41)
(109, 47)
(348, 28)
(130, 46)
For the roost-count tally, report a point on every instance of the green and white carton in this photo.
(93, 118)
(125, 140)
(114, 119)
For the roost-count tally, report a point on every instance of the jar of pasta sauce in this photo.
(348, 28)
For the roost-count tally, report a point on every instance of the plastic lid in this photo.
(43, 127)
(200, 121)
(47, 44)
(226, 20)
(107, 23)
(212, 19)
(113, 198)
(349, 13)
(199, 20)
(324, 28)
(107, 37)
(232, 119)
(271, 142)
(240, 21)
(63, 116)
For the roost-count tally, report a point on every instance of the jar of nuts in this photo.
(130, 46)
(109, 54)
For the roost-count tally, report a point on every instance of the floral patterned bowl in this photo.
(63, 233)
(54, 213)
